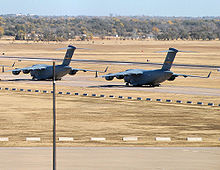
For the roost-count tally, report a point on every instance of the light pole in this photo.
(54, 119)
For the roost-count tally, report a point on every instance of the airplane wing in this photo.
(74, 70)
(5, 66)
(85, 70)
(125, 73)
(32, 68)
(185, 75)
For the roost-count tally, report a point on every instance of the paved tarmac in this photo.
(110, 62)
(120, 158)
(85, 81)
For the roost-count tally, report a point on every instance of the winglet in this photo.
(96, 74)
(103, 71)
(13, 64)
(106, 69)
(209, 74)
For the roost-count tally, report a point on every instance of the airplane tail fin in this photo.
(169, 59)
(69, 54)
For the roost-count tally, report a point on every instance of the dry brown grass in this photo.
(30, 115)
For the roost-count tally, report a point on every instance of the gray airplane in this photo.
(140, 77)
(44, 72)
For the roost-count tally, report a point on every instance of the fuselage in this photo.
(149, 77)
(60, 71)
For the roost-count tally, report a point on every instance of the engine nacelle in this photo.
(120, 76)
(16, 72)
(172, 78)
(73, 72)
(109, 78)
(26, 71)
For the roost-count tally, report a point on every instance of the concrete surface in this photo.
(89, 158)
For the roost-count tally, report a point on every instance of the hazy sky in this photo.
(116, 7)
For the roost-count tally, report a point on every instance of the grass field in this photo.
(30, 115)
(24, 115)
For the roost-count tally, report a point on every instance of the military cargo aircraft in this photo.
(140, 77)
(44, 72)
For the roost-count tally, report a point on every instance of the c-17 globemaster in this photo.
(44, 72)
(140, 77)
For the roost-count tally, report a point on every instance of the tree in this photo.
(64, 28)
(20, 35)
(155, 29)
(1, 31)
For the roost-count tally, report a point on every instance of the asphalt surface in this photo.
(120, 158)
(85, 81)
(110, 62)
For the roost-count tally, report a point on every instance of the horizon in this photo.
(21, 14)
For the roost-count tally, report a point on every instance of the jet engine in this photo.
(119, 76)
(26, 71)
(172, 78)
(16, 72)
(73, 72)
(109, 78)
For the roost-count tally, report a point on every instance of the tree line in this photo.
(48, 28)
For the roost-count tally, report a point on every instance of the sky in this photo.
(188, 8)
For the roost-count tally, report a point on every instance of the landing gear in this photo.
(137, 85)
(154, 85)
(127, 84)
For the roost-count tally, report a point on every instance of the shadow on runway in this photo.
(108, 86)
(15, 80)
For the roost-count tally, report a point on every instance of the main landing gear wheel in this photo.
(154, 85)
(127, 84)
(137, 85)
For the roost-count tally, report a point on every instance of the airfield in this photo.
(26, 114)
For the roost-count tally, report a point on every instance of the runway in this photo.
(120, 158)
(89, 82)
(110, 62)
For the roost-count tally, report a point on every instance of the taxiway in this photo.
(89, 82)
(120, 158)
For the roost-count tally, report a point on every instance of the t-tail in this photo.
(69, 54)
(169, 59)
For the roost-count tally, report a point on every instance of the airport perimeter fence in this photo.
(199, 103)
